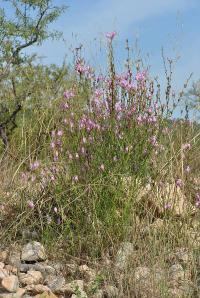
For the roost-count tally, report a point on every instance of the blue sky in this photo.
(172, 24)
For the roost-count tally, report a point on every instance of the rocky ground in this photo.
(26, 272)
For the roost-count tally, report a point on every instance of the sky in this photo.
(171, 24)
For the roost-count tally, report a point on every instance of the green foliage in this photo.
(19, 78)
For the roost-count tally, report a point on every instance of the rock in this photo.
(20, 293)
(31, 278)
(24, 268)
(3, 273)
(2, 265)
(33, 252)
(110, 291)
(57, 266)
(3, 256)
(182, 256)
(55, 283)
(44, 269)
(46, 294)
(14, 259)
(176, 274)
(158, 274)
(75, 287)
(37, 289)
(10, 283)
(88, 273)
(141, 273)
(123, 255)
(11, 269)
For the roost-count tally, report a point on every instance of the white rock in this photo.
(10, 283)
(33, 252)
(123, 255)
(31, 278)
(37, 289)
(3, 273)
(142, 273)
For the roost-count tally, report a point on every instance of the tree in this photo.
(28, 25)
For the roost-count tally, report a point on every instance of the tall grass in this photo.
(80, 167)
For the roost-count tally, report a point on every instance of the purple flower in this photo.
(35, 165)
(179, 182)
(153, 141)
(167, 206)
(197, 197)
(140, 76)
(30, 204)
(60, 133)
(75, 178)
(186, 146)
(111, 35)
(68, 94)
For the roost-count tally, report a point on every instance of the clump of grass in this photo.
(90, 154)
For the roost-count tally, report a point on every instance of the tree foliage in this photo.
(23, 23)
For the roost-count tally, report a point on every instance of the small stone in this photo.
(33, 252)
(3, 256)
(14, 259)
(110, 291)
(176, 274)
(20, 292)
(75, 287)
(3, 273)
(37, 289)
(2, 265)
(11, 269)
(123, 255)
(24, 268)
(88, 273)
(44, 269)
(46, 294)
(182, 256)
(10, 283)
(31, 278)
(55, 283)
(142, 273)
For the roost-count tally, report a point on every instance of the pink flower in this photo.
(197, 197)
(68, 94)
(111, 35)
(140, 76)
(75, 178)
(30, 204)
(179, 182)
(153, 141)
(60, 133)
(186, 146)
(167, 206)
(35, 165)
